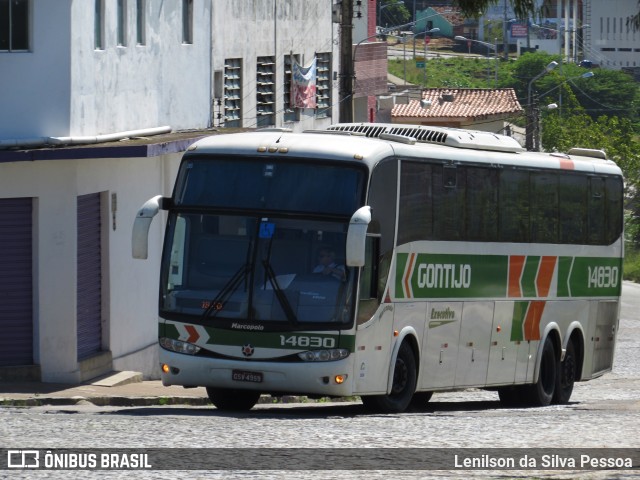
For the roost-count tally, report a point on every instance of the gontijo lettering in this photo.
(444, 275)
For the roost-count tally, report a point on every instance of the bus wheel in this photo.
(420, 400)
(566, 376)
(232, 400)
(541, 393)
(404, 384)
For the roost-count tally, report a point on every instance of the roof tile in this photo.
(470, 103)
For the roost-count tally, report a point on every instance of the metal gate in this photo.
(16, 282)
(89, 276)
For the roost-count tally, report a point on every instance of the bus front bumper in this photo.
(309, 378)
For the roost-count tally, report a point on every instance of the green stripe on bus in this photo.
(454, 276)
(529, 275)
(168, 330)
(564, 270)
(519, 313)
(280, 340)
(590, 277)
(401, 264)
(435, 276)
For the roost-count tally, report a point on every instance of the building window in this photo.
(187, 21)
(323, 85)
(14, 25)
(98, 25)
(122, 23)
(265, 92)
(233, 92)
(291, 114)
(141, 18)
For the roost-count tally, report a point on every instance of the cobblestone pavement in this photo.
(603, 413)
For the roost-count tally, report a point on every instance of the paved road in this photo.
(603, 413)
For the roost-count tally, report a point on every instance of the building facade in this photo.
(79, 73)
(610, 41)
(595, 30)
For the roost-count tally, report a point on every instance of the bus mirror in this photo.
(356, 236)
(140, 234)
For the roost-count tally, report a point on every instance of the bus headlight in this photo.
(324, 355)
(179, 346)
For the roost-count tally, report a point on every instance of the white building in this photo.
(595, 30)
(73, 304)
(609, 41)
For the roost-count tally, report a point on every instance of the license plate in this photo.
(245, 376)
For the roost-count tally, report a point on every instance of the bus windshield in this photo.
(272, 272)
(291, 186)
(262, 241)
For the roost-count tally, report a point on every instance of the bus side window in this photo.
(369, 287)
(596, 211)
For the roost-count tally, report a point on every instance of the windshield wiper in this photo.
(282, 298)
(230, 287)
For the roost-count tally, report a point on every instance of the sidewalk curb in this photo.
(135, 401)
(105, 401)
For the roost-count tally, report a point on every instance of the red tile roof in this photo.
(467, 103)
(452, 15)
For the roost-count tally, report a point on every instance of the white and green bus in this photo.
(387, 262)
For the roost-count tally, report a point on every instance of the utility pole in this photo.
(505, 42)
(346, 61)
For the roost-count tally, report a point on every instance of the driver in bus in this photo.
(327, 265)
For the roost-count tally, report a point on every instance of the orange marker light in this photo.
(396, 333)
(165, 368)
(499, 329)
(340, 379)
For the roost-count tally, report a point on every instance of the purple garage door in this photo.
(89, 287)
(16, 282)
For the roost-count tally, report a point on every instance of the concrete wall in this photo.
(35, 97)
(66, 87)
(248, 29)
(163, 82)
(609, 43)
(130, 287)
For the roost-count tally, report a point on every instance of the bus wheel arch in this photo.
(404, 379)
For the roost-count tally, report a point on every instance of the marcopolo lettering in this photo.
(243, 326)
(444, 275)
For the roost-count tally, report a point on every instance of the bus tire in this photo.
(566, 376)
(541, 393)
(420, 400)
(232, 400)
(402, 388)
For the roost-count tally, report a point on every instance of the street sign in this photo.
(420, 65)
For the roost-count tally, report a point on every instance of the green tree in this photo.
(609, 92)
(606, 92)
(617, 137)
(392, 12)
(522, 9)
(526, 68)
